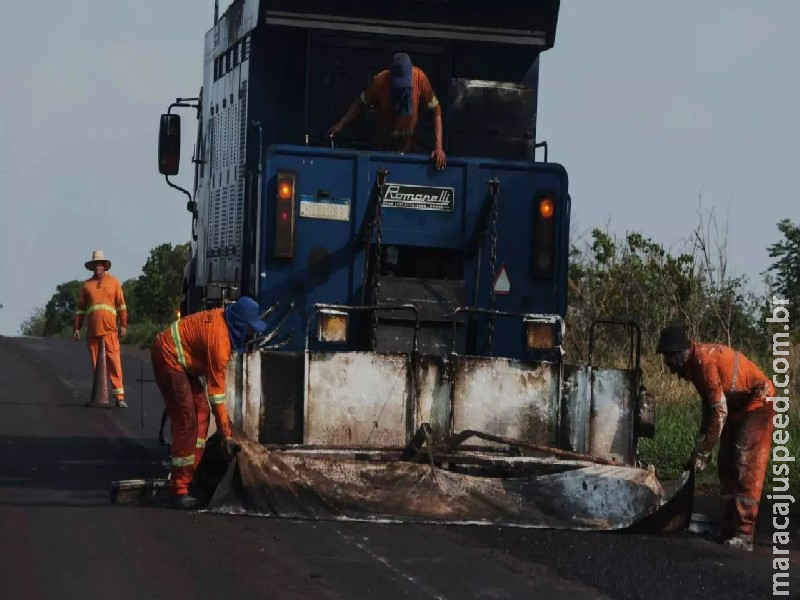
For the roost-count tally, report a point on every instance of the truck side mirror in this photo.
(169, 144)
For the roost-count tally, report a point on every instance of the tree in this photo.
(786, 267)
(60, 310)
(131, 300)
(159, 289)
(635, 277)
(34, 325)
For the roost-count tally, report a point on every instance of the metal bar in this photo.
(141, 381)
(631, 323)
(317, 307)
(141, 392)
(406, 28)
(541, 145)
(461, 437)
(499, 313)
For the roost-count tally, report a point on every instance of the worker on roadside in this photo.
(199, 345)
(738, 414)
(396, 95)
(100, 302)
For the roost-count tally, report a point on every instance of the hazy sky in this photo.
(645, 103)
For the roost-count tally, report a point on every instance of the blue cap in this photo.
(402, 71)
(239, 316)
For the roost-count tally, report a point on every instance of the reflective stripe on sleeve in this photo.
(176, 338)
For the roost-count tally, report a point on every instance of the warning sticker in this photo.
(502, 284)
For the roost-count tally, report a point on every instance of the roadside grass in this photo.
(678, 414)
(142, 334)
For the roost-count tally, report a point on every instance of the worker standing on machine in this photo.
(199, 345)
(396, 94)
(737, 414)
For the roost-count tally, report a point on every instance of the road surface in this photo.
(61, 538)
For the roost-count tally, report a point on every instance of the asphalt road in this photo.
(61, 538)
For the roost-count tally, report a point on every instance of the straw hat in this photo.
(97, 256)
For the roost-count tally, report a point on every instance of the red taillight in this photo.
(543, 235)
(284, 212)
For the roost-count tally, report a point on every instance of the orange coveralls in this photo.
(194, 346)
(735, 413)
(99, 303)
(398, 133)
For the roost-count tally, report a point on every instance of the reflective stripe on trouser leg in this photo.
(183, 461)
(752, 450)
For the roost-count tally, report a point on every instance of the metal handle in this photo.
(629, 323)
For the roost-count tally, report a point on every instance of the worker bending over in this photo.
(737, 414)
(396, 95)
(194, 346)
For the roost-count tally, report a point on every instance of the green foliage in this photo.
(60, 310)
(129, 292)
(676, 425)
(784, 273)
(142, 334)
(158, 291)
(636, 278)
(35, 324)
(152, 300)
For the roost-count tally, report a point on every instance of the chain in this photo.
(376, 286)
(494, 184)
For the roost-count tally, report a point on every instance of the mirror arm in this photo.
(191, 205)
(184, 103)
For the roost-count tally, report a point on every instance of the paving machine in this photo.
(414, 370)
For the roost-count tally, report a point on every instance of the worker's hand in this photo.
(698, 460)
(123, 331)
(229, 448)
(333, 131)
(439, 156)
(76, 335)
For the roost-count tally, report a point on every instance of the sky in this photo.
(646, 104)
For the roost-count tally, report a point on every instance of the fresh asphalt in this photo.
(61, 538)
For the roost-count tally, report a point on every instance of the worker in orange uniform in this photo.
(737, 414)
(396, 95)
(199, 345)
(100, 302)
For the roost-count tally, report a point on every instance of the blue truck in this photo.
(414, 310)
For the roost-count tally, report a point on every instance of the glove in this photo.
(229, 449)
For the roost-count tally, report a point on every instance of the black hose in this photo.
(161, 439)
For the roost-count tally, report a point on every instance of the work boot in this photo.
(121, 403)
(739, 543)
(184, 502)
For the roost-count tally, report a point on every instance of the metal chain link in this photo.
(494, 184)
(382, 173)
